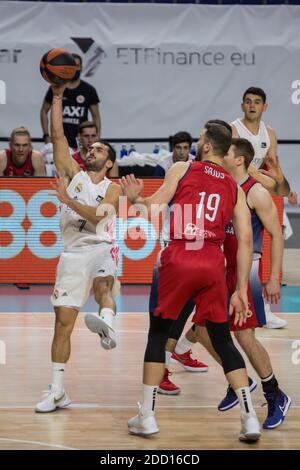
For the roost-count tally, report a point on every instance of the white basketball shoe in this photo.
(103, 326)
(143, 424)
(52, 399)
(250, 431)
(272, 320)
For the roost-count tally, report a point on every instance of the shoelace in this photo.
(188, 355)
(46, 393)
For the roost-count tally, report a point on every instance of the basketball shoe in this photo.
(52, 399)
(250, 430)
(278, 406)
(272, 320)
(230, 400)
(143, 424)
(103, 326)
(187, 362)
(166, 387)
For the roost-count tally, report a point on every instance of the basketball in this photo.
(58, 66)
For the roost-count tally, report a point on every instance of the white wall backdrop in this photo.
(157, 68)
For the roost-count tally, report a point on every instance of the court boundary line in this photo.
(93, 406)
(50, 328)
(39, 443)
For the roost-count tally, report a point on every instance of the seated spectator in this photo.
(20, 159)
(87, 135)
(181, 143)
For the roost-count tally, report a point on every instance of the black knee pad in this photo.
(178, 325)
(221, 339)
(157, 338)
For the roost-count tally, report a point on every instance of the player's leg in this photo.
(169, 303)
(211, 305)
(144, 423)
(104, 261)
(166, 386)
(102, 323)
(278, 401)
(56, 397)
(236, 374)
(70, 292)
(181, 349)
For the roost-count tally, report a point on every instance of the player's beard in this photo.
(95, 166)
(199, 153)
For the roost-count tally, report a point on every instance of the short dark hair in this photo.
(255, 91)
(219, 137)
(181, 137)
(111, 151)
(85, 125)
(243, 148)
(77, 56)
(221, 123)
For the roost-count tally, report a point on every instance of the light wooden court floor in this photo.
(105, 386)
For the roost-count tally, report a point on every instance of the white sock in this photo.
(149, 397)
(107, 314)
(183, 346)
(58, 369)
(167, 359)
(244, 397)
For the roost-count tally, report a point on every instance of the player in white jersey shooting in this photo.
(89, 205)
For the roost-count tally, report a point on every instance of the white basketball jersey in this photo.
(75, 230)
(260, 141)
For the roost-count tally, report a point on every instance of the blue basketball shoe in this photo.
(230, 400)
(278, 406)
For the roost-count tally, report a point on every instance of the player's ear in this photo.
(266, 106)
(109, 164)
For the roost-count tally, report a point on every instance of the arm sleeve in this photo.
(93, 96)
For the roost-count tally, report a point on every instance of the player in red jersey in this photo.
(20, 159)
(263, 215)
(204, 198)
(87, 135)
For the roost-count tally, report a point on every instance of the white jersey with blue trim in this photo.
(77, 232)
(261, 141)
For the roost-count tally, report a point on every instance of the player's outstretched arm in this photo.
(65, 164)
(132, 187)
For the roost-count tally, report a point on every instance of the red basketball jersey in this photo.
(203, 203)
(230, 242)
(12, 170)
(76, 155)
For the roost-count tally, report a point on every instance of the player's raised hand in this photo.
(58, 90)
(60, 190)
(273, 169)
(131, 186)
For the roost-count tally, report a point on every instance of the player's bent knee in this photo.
(157, 339)
(220, 337)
